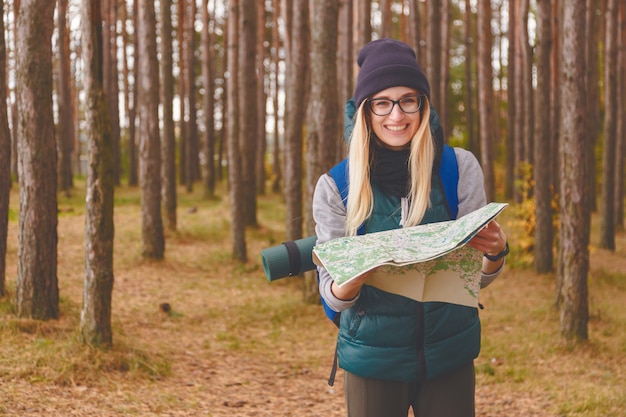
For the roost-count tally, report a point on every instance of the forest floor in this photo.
(233, 344)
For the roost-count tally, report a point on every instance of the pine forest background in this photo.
(247, 96)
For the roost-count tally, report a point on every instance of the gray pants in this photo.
(450, 395)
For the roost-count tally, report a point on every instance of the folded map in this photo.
(429, 262)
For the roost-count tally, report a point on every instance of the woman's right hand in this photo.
(350, 289)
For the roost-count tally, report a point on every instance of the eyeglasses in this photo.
(384, 106)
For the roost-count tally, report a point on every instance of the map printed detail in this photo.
(428, 262)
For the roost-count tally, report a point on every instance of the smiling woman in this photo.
(400, 354)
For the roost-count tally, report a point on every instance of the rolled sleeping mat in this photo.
(289, 258)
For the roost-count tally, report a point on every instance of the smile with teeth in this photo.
(397, 128)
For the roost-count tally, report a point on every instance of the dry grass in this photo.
(235, 345)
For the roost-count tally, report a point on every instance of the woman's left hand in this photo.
(491, 240)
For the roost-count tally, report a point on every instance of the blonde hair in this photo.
(360, 196)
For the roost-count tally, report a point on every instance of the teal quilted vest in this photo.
(391, 337)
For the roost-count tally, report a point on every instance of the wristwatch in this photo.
(499, 256)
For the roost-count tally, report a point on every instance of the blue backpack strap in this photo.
(449, 174)
(339, 173)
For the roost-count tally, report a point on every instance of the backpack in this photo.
(448, 173)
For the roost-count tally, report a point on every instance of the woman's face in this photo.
(397, 128)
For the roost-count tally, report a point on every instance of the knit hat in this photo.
(388, 63)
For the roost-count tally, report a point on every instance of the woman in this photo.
(398, 353)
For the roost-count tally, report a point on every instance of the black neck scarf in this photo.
(390, 170)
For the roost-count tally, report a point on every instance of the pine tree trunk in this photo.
(444, 79)
(295, 106)
(208, 77)
(511, 104)
(607, 218)
(247, 88)
(517, 68)
(345, 64)
(133, 169)
(276, 165)
(95, 323)
(544, 231)
(593, 25)
(261, 99)
(5, 157)
(168, 138)
(620, 146)
(363, 24)
(183, 130)
(235, 181)
(555, 96)
(65, 126)
(575, 197)
(485, 97)
(192, 149)
(323, 114)
(109, 68)
(527, 88)
(434, 45)
(472, 139)
(153, 240)
(37, 294)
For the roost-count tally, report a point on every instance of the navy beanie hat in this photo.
(388, 63)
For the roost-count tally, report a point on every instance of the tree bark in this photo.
(235, 180)
(208, 77)
(511, 103)
(65, 127)
(527, 89)
(472, 138)
(594, 19)
(345, 62)
(277, 172)
(386, 27)
(574, 198)
(192, 149)
(295, 107)
(37, 294)
(433, 68)
(5, 157)
(153, 240)
(133, 168)
(14, 111)
(485, 97)
(95, 323)
(607, 217)
(620, 146)
(168, 137)
(111, 87)
(247, 86)
(261, 99)
(183, 128)
(363, 24)
(544, 231)
(518, 127)
(555, 95)
(416, 29)
(444, 71)
(323, 129)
